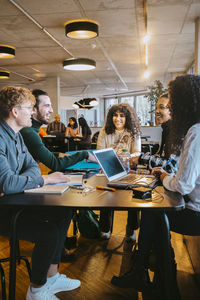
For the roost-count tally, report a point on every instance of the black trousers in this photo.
(106, 219)
(46, 228)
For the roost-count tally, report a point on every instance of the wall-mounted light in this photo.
(81, 29)
(4, 74)
(146, 38)
(7, 51)
(79, 64)
(146, 74)
(85, 103)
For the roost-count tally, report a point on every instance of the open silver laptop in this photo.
(116, 173)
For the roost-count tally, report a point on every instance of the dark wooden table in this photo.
(119, 200)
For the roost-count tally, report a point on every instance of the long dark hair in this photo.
(75, 123)
(84, 125)
(184, 95)
(132, 124)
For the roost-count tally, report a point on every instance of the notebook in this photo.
(74, 179)
(116, 173)
(48, 189)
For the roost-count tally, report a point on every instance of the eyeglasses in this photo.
(119, 115)
(29, 108)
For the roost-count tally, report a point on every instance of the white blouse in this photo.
(120, 139)
(187, 179)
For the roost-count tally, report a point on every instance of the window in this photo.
(143, 110)
(93, 116)
(140, 103)
(110, 102)
(128, 100)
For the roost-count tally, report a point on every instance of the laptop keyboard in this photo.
(132, 179)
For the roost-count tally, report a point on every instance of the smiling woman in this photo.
(121, 131)
(162, 112)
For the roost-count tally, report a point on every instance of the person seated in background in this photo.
(86, 139)
(54, 161)
(72, 128)
(44, 226)
(56, 126)
(163, 117)
(184, 100)
(121, 131)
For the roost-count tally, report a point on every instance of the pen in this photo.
(105, 188)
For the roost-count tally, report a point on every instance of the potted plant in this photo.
(155, 91)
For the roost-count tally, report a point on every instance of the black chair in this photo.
(19, 258)
(56, 143)
(3, 283)
(94, 140)
(15, 257)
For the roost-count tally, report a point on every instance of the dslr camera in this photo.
(152, 161)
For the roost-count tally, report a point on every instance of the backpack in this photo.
(88, 223)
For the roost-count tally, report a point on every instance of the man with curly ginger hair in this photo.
(45, 226)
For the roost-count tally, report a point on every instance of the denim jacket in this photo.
(18, 170)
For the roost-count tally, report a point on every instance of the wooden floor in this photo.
(98, 261)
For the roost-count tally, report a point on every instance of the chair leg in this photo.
(19, 258)
(25, 259)
(112, 216)
(75, 229)
(3, 283)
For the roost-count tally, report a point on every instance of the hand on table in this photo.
(91, 157)
(134, 162)
(160, 173)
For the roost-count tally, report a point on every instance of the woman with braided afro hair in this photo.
(184, 96)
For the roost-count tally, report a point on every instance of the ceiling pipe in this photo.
(129, 93)
(57, 42)
(40, 26)
(21, 75)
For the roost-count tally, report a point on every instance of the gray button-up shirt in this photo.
(18, 170)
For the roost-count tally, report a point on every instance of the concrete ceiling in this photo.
(118, 51)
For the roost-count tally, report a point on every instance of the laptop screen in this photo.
(110, 163)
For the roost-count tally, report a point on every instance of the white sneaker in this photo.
(63, 283)
(131, 238)
(105, 235)
(43, 294)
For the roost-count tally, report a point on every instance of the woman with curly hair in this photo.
(184, 95)
(121, 131)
